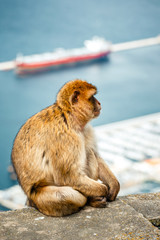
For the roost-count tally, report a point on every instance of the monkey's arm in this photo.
(104, 173)
(90, 187)
(108, 178)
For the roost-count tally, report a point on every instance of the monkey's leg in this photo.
(108, 178)
(90, 187)
(57, 201)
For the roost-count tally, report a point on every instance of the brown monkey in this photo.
(55, 155)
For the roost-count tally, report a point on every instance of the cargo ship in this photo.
(93, 50)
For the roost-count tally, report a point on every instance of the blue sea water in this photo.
(128, 83)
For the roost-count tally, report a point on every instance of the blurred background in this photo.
(128, 83)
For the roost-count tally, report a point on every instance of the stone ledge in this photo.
(128, 217)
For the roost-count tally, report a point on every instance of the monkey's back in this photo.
(38, 148)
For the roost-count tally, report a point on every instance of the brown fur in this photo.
(55, 155)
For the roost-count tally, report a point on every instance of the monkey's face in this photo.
(95, 105)
(86, 104)
(78, 98)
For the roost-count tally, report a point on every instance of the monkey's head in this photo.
(77, 97)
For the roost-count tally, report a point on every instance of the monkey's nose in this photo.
(99, 107)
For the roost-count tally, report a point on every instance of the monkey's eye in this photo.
(92, 99)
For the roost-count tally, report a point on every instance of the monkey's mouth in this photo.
(96, 113)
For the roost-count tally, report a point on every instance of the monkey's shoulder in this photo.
(47, 115)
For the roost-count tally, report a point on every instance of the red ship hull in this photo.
(34, 67)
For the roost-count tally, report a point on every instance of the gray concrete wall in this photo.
(130, 217)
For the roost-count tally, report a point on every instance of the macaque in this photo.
(56, 158)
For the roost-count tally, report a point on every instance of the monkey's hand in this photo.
(97, 202)
(113, 189)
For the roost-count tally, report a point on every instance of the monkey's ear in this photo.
(74, 97)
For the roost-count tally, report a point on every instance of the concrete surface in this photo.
(128, 217)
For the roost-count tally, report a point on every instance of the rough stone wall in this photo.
(129, 217)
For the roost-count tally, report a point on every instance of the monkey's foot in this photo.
(97, 202)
